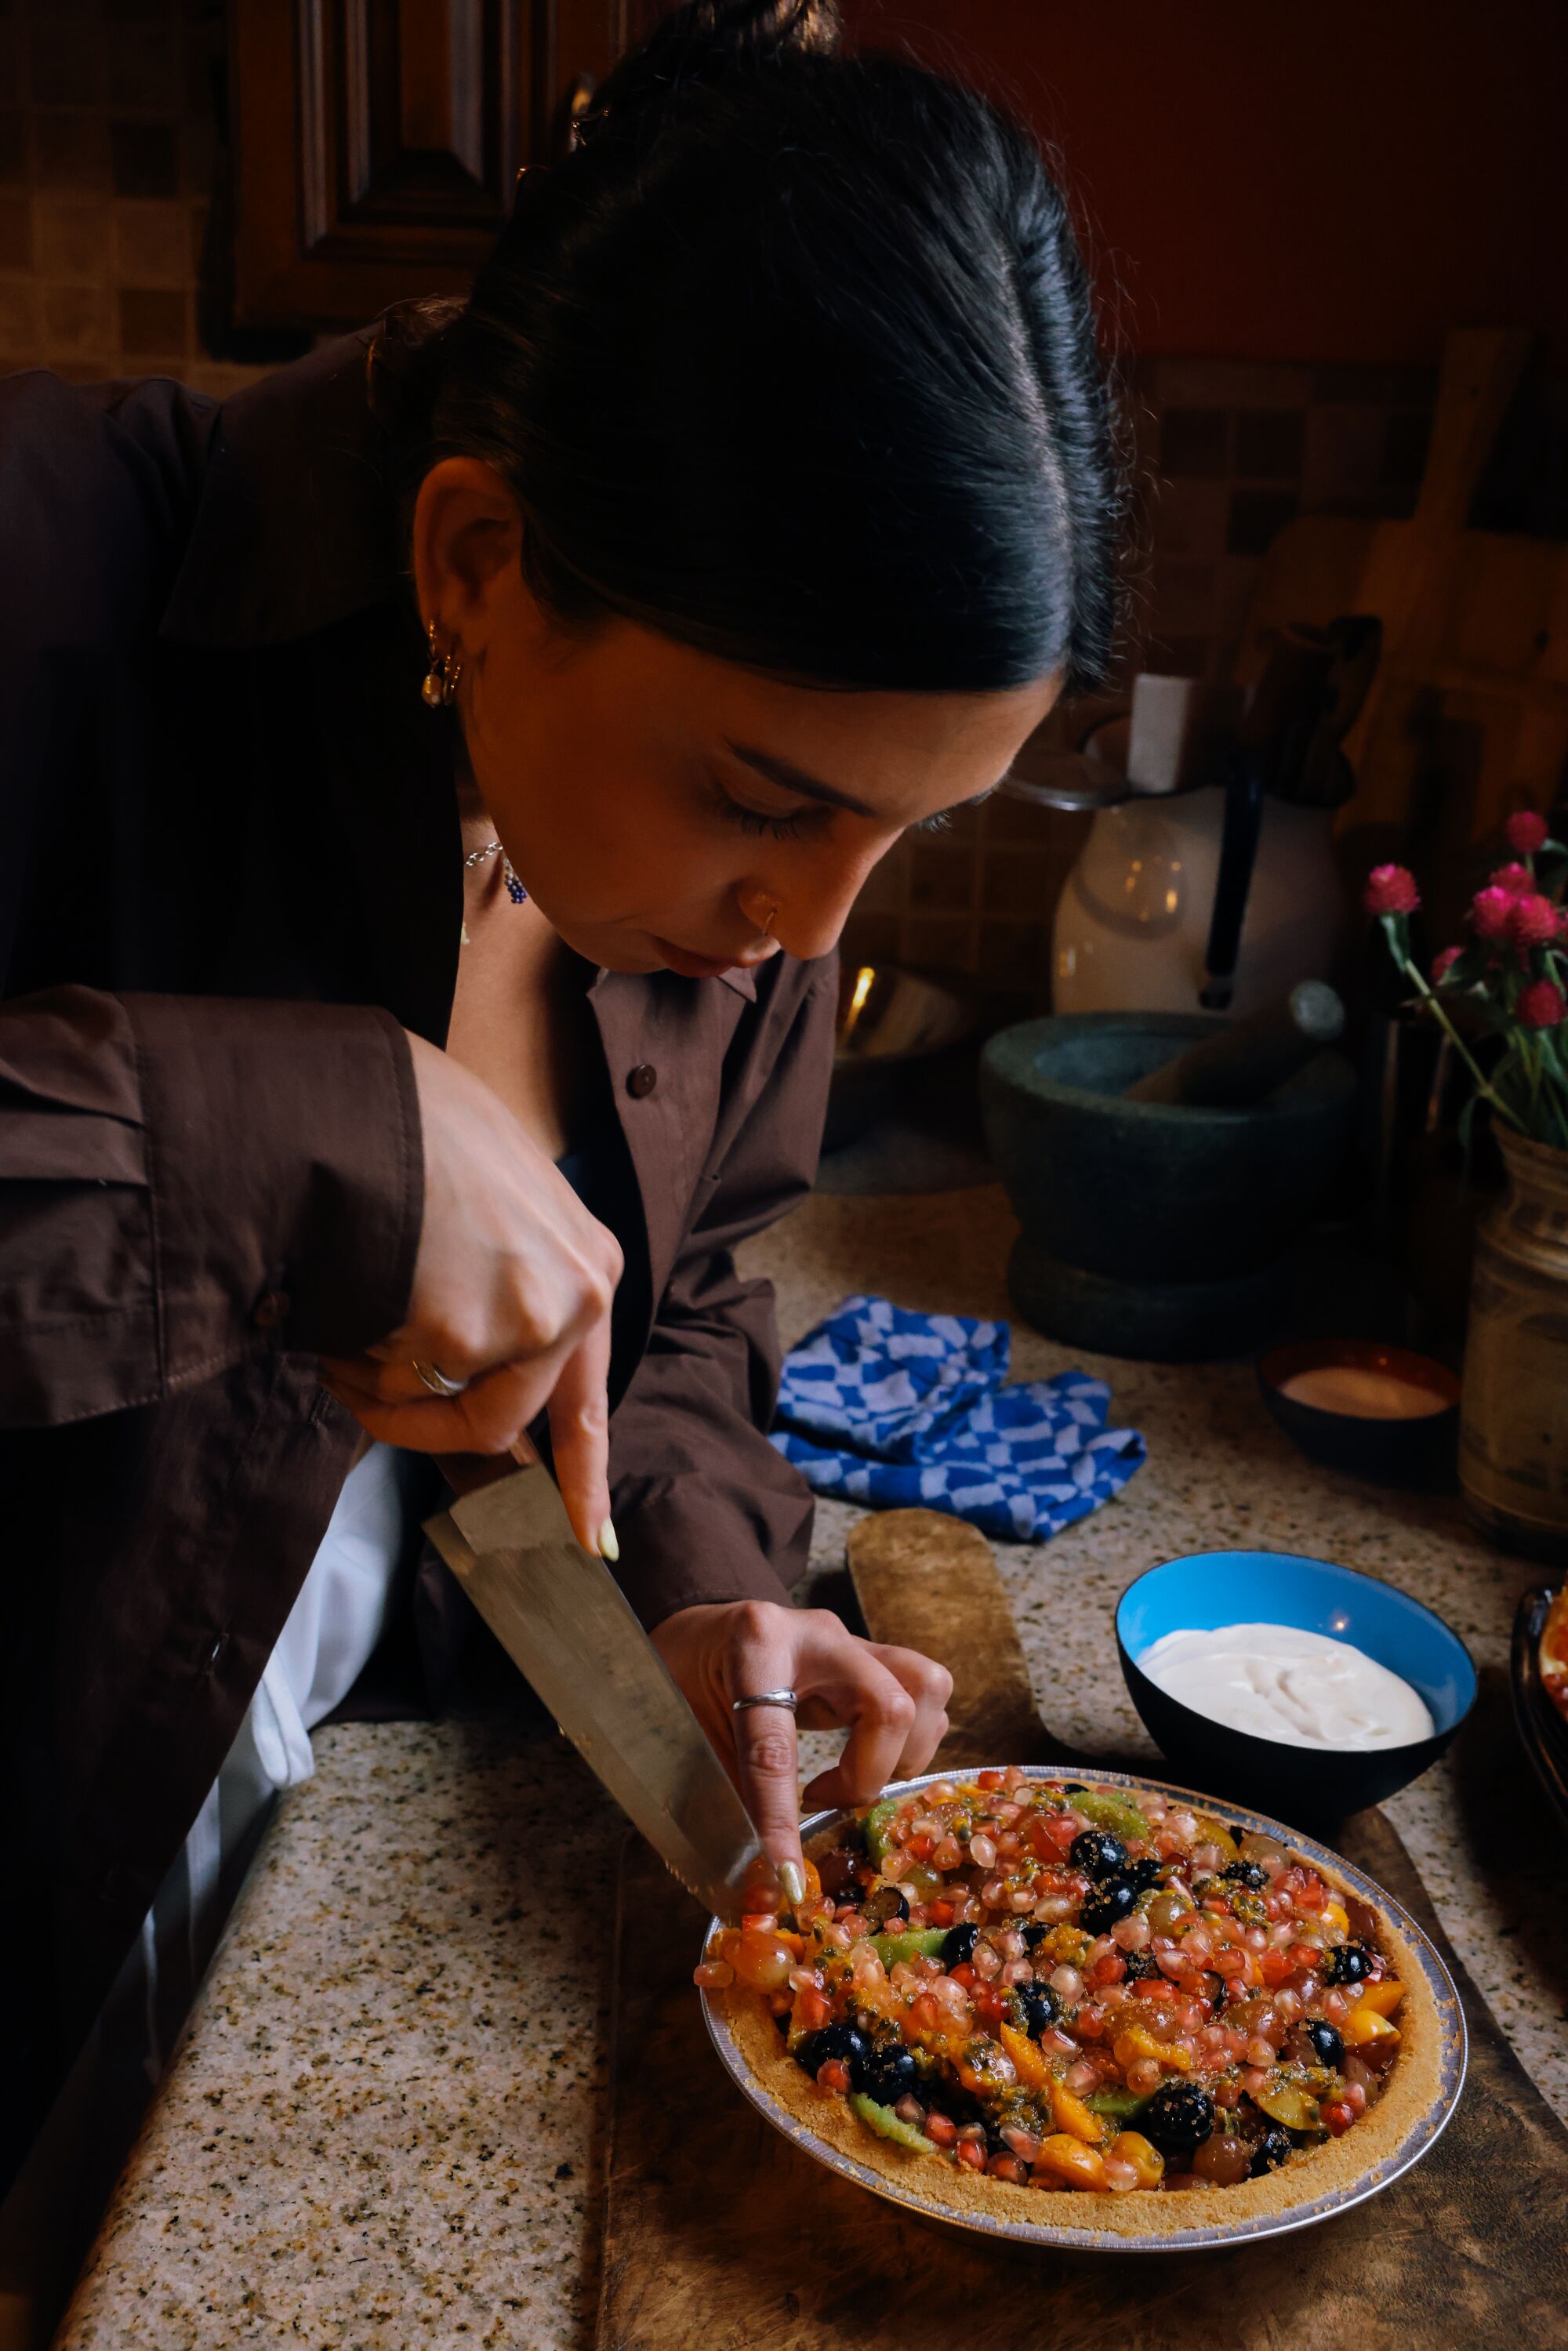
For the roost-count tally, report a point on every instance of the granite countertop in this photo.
(382, 2126)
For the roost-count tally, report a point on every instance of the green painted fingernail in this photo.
(792, 1878)
(609, 1546)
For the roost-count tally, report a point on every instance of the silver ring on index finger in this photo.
(785, 1697)
(436, 1381)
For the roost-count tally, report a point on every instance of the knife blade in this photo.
(568, 1627)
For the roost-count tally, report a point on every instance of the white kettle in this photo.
(1207, 879)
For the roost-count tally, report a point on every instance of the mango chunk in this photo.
(1073, 2116)
(1364, 2024)
(1027, 2063)
(1070, 2159)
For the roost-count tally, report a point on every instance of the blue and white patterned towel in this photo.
(899, 1410)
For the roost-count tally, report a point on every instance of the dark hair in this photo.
(793, 357)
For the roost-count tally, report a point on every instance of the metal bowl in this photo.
(1423, 2134)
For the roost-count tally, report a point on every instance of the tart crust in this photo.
(952, 2191)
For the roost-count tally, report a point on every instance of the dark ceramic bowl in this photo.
(1418, 1453)
(1265, 1587)
(1540, 1727)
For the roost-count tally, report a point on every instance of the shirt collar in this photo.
(297, 522)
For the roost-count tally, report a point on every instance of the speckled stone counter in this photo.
(383, 2126)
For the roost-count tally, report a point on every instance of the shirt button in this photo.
(642, 1081)
(271, 1308)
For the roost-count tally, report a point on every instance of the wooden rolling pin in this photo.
(1248, 1059)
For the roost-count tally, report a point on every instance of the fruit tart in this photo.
(1002, 1984)
(1553, 1657)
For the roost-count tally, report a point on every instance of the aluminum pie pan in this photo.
(1421, 2137)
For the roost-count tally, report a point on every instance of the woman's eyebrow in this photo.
(790, 779)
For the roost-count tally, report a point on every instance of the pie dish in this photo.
(1054, 2034)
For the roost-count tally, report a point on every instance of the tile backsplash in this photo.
(110, 156)
(1225, 453)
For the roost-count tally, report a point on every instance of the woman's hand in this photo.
(894, 1700)
(512, 1290)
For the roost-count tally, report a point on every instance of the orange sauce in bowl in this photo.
(1362, 1391)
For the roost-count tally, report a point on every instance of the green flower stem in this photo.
(1414, 972)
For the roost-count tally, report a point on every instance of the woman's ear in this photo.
(467, 546)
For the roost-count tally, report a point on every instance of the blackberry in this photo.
(1177, 2118)
(1039, 2007)
(1250, 1874)
(1328, 2044)
(1097, 1854)
(1114, 1899)
(1347, 1964)
(1141, 1875)
(958, 1947)
(841, 2041)
(887, 2075)
(1272, 2149)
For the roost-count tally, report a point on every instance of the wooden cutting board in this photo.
(721, 2236)
(1467, 715)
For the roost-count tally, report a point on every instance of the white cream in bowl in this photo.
(1275, 1681)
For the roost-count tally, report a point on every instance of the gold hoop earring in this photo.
(439, 685)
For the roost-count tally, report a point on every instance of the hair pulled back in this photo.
(793, 357)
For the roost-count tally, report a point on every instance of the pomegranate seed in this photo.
(1006, 2167)
(1337, 2117)
(833, 2075)
(941, 2129)
(991, 1780)
(982, 1853)
(973, 2153)
(910, 2110)
(1022, 2142)
(713, 1975)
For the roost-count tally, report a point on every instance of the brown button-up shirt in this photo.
(230, 877)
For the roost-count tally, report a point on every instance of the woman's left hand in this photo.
(894, 1702)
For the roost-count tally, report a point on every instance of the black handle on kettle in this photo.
(1238, 854)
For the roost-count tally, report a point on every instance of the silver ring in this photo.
(438, 1381)
(766, 1698)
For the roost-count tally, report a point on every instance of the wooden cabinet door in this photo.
(378, 141)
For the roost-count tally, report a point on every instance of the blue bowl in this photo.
(1270, 1587)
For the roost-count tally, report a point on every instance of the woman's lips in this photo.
(689, 966)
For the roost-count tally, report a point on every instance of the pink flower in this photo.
(1526, 832)
(1443, 965)
(1489, 911)
(1391, 890)
(1516, 879)
(1532, 921)
(1541, 1004)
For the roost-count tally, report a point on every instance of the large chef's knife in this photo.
(566, 1625)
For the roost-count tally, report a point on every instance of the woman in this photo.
(435, 784)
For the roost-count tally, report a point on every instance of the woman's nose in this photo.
(804, 904)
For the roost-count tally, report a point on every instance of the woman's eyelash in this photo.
(941, 823)
(776, 827)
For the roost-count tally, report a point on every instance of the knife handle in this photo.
(466, 1472)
